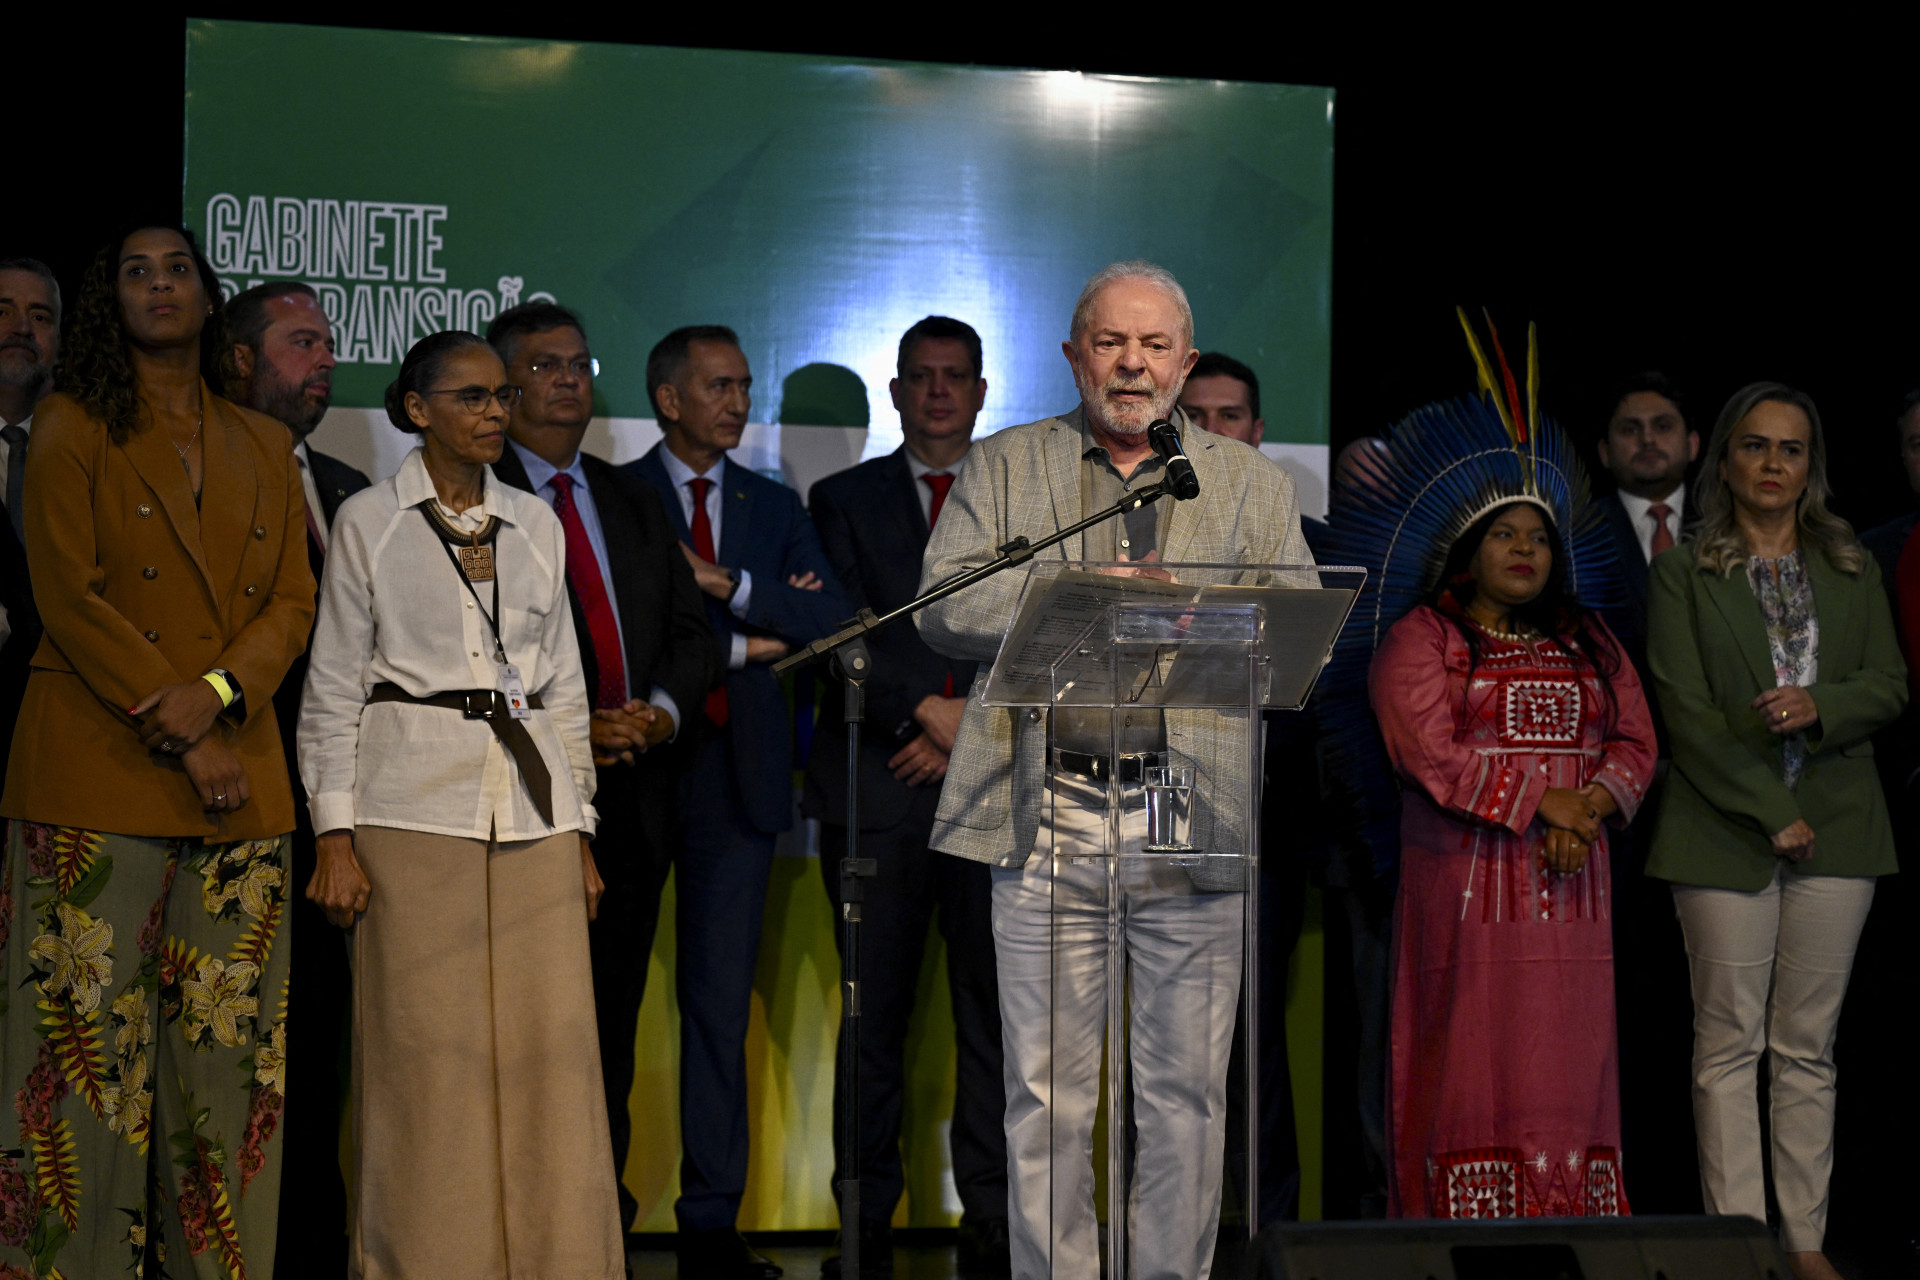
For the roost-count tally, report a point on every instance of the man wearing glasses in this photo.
(646, 651)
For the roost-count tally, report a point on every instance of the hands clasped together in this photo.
(177, 720)
(1573, 819)
(1787, 710)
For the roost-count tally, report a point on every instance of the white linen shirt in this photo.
(394, 609)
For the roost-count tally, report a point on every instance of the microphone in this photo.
(1180, 478)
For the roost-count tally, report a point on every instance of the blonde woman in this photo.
(1774, 660)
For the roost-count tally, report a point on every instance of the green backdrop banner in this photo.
(819, 207)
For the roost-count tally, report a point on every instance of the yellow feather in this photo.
(1487, 385)
(1533, 379)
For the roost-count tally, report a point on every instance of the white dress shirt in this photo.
(393, 608)
(923, 490)
(680, 473)
(1643, 523)
(313, 492)
(26, 425)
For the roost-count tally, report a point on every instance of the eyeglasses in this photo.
(584, 367)
(474, 399)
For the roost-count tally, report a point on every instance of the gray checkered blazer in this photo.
(1026, 480)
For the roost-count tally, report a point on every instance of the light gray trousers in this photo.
(1769, 971)
(1050, 938)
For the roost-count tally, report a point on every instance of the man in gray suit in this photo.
(1130, 348)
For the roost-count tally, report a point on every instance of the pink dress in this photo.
(1504, 1099)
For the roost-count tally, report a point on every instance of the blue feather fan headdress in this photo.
(1433, 476)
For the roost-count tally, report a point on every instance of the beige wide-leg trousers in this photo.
(479, 1119)
(1769, 971)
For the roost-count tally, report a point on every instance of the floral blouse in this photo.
(1785, 594)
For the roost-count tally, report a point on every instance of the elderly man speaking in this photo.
(1130, 346)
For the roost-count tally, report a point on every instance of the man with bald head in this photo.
(1130, 347)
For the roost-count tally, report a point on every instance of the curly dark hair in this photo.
(1554, 612)
(94, 367)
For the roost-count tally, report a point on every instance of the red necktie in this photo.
(1662, 535)
(939, 482)
(702, 529)
(583, 571)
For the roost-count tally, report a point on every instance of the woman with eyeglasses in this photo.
(143, 894)
(443, 743)
(1774, 658)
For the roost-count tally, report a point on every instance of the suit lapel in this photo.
(901, 492)
(1184, 527)
(154, 460)
(1062, 450)
(736, 513)
(1830, 598)
(1732, 595)
(227, 519)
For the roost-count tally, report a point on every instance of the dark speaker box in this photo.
(1694, 1248)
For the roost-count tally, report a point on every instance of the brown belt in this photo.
(490, 705)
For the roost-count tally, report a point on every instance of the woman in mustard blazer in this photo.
(1774, 661)
(141, 906)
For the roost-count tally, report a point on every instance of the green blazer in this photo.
(1724, 800)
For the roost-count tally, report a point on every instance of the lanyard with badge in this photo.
(471, 554)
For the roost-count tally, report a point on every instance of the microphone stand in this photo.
(853, 664)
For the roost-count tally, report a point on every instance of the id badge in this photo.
(516, 693)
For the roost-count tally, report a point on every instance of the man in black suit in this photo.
(29, 345)
(282, 355)
(647, 653)
(1647, 446)
(874, 522)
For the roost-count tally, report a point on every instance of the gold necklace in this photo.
(184, 464)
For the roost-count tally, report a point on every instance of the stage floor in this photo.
(802, 1261)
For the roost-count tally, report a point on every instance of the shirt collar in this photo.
(917, 468)
(679, 472)
(413, 486)
(1637, 506)
(540, 472)
(300, 455)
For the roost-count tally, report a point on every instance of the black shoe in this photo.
(876, 1254)
(722, 1255)
(984, 1248)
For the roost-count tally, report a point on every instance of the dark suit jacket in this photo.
(1629, 620)
(875, 536)
(23, 621)
(336, 482)
(1724, 796)
(663, 626)
(765, 531)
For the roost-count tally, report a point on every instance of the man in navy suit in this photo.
(874, 521)
(282, 357)
(1647, 446)
(754, 553)
(646, 650)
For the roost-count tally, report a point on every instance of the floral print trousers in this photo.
(143, 1046)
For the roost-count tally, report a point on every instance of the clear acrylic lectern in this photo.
(1146, 903)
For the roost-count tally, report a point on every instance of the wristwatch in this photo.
(733, 582)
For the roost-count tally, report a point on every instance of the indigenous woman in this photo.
(1773, 654)
(444, 745)
(1518, 733)
(141, 903)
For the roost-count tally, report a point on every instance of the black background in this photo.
(1727, 208)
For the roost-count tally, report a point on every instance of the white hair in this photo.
(1131, 269)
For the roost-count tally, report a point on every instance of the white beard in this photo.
(1124, 420)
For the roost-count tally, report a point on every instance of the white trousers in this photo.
(1769, 971)
(1050, 922)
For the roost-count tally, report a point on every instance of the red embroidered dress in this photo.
(1504, 1099)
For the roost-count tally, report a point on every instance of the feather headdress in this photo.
(1435, 474)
